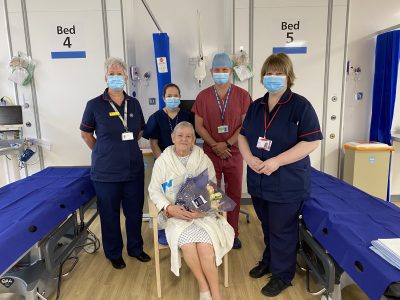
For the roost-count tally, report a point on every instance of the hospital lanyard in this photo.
(266, 126)
(225, 104)
(169, 121)
(125, 119)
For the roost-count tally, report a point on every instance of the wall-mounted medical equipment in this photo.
(354, 72)
(11, 141)
(242, 69)
(22, 67)
(134, 73)
(10, 117)
(17, 149)
(200, 71)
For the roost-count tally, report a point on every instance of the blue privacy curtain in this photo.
(385, 81)
(163, 67)
(384, 95)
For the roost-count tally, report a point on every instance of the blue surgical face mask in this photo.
(116, 82)
(220, 78)
(274, 83)
(172, 102)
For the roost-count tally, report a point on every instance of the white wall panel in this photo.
(65, 85)
(115, 34)
(6, 86)
(309, 68)
(242, 32)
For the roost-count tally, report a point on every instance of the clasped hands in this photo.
(266, 167)
(221, 150)
(179, 212)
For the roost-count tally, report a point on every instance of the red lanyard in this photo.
(266, 126)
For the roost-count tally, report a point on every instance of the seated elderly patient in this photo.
(204, 240)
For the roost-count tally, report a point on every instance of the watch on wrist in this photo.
(228, 145)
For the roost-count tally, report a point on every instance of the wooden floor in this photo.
(95, 278)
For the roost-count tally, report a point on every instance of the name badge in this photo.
(222, 129)
(264, 144)
(113, 114)
(127, 136)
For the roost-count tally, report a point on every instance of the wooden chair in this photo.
(153, 212)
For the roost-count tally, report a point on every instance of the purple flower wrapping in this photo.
(194, 195)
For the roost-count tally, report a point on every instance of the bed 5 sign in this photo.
(290, 29)
(66, 31)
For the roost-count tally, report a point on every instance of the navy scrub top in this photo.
(159, 126)
(292, 120)
(114, 160)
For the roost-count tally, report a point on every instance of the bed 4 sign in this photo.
(7, 281)
(68, 41)
(66, 31)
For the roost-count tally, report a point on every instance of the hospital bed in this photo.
(42, 226)
(337, 225)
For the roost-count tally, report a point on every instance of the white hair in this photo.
(115, 61)
(184, 124)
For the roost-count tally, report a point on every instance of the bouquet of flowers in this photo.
(200, 194)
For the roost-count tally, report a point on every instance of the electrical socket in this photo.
(152, 101)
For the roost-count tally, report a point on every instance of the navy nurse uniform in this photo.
(117, 172)
(160, 126)
(278, 198)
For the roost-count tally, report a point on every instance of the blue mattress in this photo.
(344, 220)
(32, 207)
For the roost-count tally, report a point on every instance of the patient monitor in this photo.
(10, 118)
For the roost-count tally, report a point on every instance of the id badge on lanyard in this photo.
(264, 144)
(223, 128)
(127, 135)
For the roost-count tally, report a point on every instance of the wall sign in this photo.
(68, 41)
(162, 65)
(291, 32)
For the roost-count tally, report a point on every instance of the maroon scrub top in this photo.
(206, 107)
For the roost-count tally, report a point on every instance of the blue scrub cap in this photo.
(221, 60)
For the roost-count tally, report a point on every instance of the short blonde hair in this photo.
(115, 61)
(184, 124)
(279, 62)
